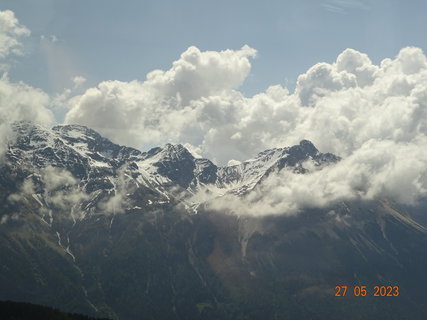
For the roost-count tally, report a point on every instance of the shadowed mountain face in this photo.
(89, 226)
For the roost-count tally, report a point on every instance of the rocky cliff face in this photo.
(91, 226)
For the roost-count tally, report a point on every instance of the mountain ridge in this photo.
(106, 230)
(169, 165)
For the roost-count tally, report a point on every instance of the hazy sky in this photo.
(124, 40)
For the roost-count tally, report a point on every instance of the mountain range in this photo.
(93, 227)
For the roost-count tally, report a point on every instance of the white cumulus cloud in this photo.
(374, 116)
(18, 101)
(167, 105)
(10, 32)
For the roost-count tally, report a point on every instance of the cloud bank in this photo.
(374, 116)
(378, 170)
(177, 105)
(338, 106)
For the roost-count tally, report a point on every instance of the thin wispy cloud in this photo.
(332, 8)
(344, 6)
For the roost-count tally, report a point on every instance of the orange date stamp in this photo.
(363, 291)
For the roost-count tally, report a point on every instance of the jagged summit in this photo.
(242, 178)
(170, 151)
(304, 149)
(86, 139)
(307, 147)
(84, 151)
(76, 131)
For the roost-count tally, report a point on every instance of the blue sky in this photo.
(117, 40)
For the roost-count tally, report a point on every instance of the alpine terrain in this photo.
(88, 226)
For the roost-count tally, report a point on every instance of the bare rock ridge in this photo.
(83, 152)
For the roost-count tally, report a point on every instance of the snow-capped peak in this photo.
(172, 167)
(169, 152)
